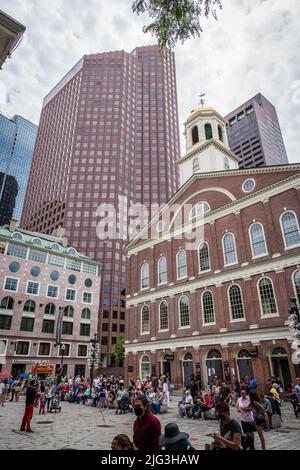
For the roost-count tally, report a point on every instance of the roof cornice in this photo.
(203, 146)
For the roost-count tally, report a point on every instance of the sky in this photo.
(253, 47)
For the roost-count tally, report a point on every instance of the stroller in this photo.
(55, 404)
(124, 405)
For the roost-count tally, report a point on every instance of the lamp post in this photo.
(93, 359)
(62, 348)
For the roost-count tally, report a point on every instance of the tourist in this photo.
(236, 388)
(253, 385)
(268, 408)
(173, 439)
(186, 404)
(48, 395)
(122, 442)
(297, 388)
(225, 392)
(247, 418)
(31, 399)
(260, 416)
(147, 428)
(166, 392)
(230, 437)
(2, 392)
(17, 390)
(43, 401)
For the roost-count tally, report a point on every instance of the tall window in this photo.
(50, 309)
(297, 284)
(267, 297)
(163, 316)
(195, 135)
(208, 307)
(7, 303)
(236, 303)
(145, 367)
(181, 264)
(145, 276)
(196, 166)
(204, 263)
(162, 270)
(258, 242)
(184, 311)
(290, 229)
(200, 208)
(220, 132)
(229, 248)
(145, 323)
(29, 306)
(208, 131)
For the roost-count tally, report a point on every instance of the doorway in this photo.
(188, 368)
(17, 369)
(280, 365)
(244, 364)
(214, 365)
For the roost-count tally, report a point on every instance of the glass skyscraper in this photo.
(17, 141)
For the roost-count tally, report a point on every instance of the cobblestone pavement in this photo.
(86, 428)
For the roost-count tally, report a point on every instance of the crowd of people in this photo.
(147, 398)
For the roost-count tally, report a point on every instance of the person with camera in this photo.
(230, 437)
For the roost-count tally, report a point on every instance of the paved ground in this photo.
(84, 427)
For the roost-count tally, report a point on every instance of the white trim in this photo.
(44, 342)
(74, 290)
(82, 344)
(248, 179)
(290, 247)
(17, 239)
(65, 343)
(142, 274)
(47, 296)
(89, 293)
(202, 308)
(224, 254)
(179, 318)
(199, 263)
(141, 321)
(159, 323)
(269, 315)
(140, 365)
(182, 277)
(266, 253)
(6, 346)
(158, 271)
(294, 284)
(14, 278)
(23, 340)
(235, 320)
(33, 282)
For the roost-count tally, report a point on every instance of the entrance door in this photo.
(214, 368)
(188, 368)
(17, 369)
(244, 363)
(166, 368)
(79, 370)
(281, 367)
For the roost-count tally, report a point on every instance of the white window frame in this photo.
(140, 365)
(23, 340)
(141, 316)
(44, 342)
(202, 309)
(224, 253)
(58, 349)
(159, 323)
(15, 279)
(202, 214)
(199, 263)
(158, 271)
(87, 351)
(294, 284)
(6, 346)
(271, 315)
(177, 267)
(33, 282)
(243, 185)
(51, 285)
(286, 247)
(236, 320)
(187, 327)
(89, 293)
(251, 242)
(73, 290)
(141, 283)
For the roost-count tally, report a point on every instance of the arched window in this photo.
(145, 320)
(267, 297)
(236, 302)
(72, 251)
(244, 354)
(220, 132)
(7, 303)
(50, 309)
(196, 165)
(86, 314)
(226, 163)
(37, 242)
(69, 312)
(145, 276)
(184, 312)
(17, 236)
(29, 306)
(208, 131)
(258, 242)
(214, 354)
(208, 307)
(145, 367)
(181, 264)
(290, 229)
(162, 270)
(163, 316)
(229, 249)
(195, 135)
(297, 284)
(55, 246)
(200, 208)
(204, 263)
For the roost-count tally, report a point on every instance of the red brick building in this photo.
(221, 303)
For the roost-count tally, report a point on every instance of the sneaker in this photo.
(29, 430)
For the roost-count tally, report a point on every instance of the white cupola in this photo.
(207, 147)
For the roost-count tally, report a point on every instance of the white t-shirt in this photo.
(2, 387)
(246, 416)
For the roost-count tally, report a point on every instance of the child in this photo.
(43, 401)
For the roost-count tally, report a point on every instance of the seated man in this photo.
(230, 437)
(156, 401)
(186, 404)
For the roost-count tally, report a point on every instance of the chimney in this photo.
(13, 225)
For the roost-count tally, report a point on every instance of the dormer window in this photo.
(208, 131)
(220, 132)
(37, 242)
(199, 209)
(55, 246)
(17, 236)
(72, 251)
(195, 135)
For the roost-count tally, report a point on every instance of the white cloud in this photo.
(253, 47)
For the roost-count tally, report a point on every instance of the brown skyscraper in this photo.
(108, 129)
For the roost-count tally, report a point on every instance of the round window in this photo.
(35, 271)
(248, 186)
(14, 267)
(72, 279)
(54, 276)
(88, 283)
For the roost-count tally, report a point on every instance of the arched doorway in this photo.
(214, 365)
(280, 366)
(165, 366)
(145, 369)
(244, 364)
(188, 368)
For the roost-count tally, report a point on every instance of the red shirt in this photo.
(146, 432)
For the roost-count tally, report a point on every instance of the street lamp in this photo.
(62, 348)
(93, 359)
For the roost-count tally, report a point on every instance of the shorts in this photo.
(248, 426)
(259, 421)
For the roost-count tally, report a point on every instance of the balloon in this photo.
(296, 357)
(296, 344)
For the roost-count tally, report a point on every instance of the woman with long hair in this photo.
(260, 416)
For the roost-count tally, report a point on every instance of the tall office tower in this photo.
(108, 129)
(254, 134)
(17, 140)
